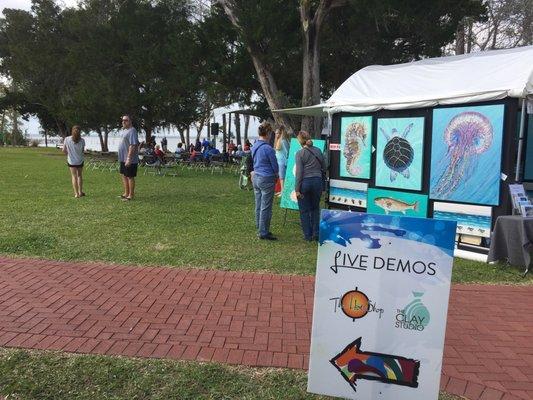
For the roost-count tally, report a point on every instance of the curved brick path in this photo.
(242, 318)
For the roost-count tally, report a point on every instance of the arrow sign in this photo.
(355, 364)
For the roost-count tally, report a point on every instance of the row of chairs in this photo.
(170, 165)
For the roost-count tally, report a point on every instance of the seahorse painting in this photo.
(355, 140)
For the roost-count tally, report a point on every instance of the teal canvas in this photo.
(288, 195)
(356, 147)
(391, 202)
(399, 153)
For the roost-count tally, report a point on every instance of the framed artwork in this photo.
(471, 220)
(356, 147)
(466, 151)
(352, 194)
(399, 153)
(391, 202)
(288, 195)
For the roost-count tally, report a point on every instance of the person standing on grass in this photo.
(73, 147)
(128, 156)
(264, 173)
(281, 145)
(309, 185)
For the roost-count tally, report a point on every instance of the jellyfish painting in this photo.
(467, 136)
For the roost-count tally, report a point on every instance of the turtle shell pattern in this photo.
(398, 154)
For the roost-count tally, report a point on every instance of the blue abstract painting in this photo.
(466, 151)
(399, 153)
(356, 147)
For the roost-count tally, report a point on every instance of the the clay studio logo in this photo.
(414, 316)
(355, 304)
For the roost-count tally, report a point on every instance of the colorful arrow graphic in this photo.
(355, 364)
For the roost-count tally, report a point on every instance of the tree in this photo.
(364, 31)
(508, 24)
(33, 53)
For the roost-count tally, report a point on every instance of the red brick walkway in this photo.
(242, 318)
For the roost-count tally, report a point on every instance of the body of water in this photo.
(92, 142)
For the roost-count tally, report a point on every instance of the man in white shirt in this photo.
(128, 156)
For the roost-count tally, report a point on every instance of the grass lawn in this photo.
(194, 220)
(45, 375)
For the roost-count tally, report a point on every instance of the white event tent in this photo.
(484, 76)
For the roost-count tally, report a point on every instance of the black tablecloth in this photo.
(512, 240)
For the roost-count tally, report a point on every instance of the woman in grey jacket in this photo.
(309, 165)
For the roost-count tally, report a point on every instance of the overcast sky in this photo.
(26, 4)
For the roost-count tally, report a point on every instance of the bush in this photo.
(15, 139)
(34, 143)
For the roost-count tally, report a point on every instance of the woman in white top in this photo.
(73, 147)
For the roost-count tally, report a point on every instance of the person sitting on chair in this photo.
(179, 149)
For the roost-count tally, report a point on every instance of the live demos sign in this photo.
(381, 300)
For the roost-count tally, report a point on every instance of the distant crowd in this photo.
(266, 163)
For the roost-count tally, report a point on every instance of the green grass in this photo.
(194, 220)
(47, 375)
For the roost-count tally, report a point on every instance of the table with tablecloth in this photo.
(512, 241)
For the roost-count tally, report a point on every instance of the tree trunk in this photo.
(460, 38)
(246, 126)
(182, 136)
(148, 133)
(45, 139)
(264, 75)
(62, 128)
(311, 73)
(106, 139)
(188, 136)
(101, 138)
(237, 120)
(209, 130)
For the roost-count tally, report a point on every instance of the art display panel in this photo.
(471, 220)
(399, 153)
(356, 147)
(351, 194)
(288, 195)
(466, 153)
(392, 202)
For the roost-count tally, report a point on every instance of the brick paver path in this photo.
(242, 318)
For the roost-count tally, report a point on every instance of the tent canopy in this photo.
(489, 75)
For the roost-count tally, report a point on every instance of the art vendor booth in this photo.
(440, 138)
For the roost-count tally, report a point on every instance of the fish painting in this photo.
(388, 204)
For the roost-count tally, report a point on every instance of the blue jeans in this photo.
(310, 206)
(264, 196)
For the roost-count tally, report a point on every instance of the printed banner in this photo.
(288, 195)
(381, 301)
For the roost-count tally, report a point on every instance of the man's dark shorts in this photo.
(129, 171)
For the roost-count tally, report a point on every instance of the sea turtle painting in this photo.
(398, 153)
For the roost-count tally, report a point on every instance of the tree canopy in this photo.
(167, 64)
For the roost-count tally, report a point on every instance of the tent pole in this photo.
(521, 140)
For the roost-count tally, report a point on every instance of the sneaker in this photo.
(268, 237)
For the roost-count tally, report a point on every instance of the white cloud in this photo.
(26, 4)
